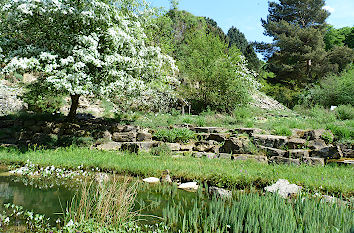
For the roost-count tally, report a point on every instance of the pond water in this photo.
(52, 197)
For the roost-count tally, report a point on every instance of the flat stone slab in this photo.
(283, 160)
(249, 131)
(270, 140)
(258, 158)
(152, 180)
(209, 129)
(110, 146)
(283, 188)
(190, 186)
(273, 151)
(220, 192)
(299, 154)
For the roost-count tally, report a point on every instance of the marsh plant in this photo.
(107, 204)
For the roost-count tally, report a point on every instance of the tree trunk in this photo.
(73, 107)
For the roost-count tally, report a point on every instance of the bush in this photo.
(331, 91)
(174, 135)
(345, 112)
(41, 100)
(162, 150)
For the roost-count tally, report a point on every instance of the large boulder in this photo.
(284, 188)
(190, 186)
(206, 146)
(124, 137)
(239, 145)
(220, 192)
(283, 160)
(270, 140)
(270, 152)
(257, 158)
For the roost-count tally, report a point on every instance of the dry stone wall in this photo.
(311, 147)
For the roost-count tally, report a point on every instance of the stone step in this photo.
(271, 141)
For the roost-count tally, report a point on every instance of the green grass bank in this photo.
(337, 180)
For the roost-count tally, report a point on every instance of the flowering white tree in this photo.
(82, 47)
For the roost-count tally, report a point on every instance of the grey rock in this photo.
(347, 150)
(284, 188)
(208, 129)
(152, 180)
(190, 186)
(135, 147)
(299, 154)
(220, 192)
(219, 137)
(249, 131)
(174, 146)
(328, 152)
(110, 146)
(313, 161)
(224, 156)
(257, 158)
(297, 143)
(124, 137)
(274, 152)
(204, 154)
(270, 140)
(234, 145)
(283, 160)
(206, 146)
(187, 147)
(144, 136)
(317, 144)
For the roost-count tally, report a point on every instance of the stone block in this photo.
(328, 152)
(144, 136)
(219, 137)
(313, 161)
(299, 154)
(297, 143)
(110, 146)
(249, 131)
(204, 154)
(270, 152)
(209, 129)
(270, 140)
(257, 158)
(283, 160)
(187, 147)
(174, 146)
(224, 156)
(124, 137)
(238, 145)
(206, 146)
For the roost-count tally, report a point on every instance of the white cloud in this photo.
(329, 9)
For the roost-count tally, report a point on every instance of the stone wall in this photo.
(304, 146)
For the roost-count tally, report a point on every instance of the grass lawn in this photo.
(232, 174)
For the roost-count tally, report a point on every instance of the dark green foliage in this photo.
(345, 112)
(297, 52)
(239, 40)
(174, 135)
(213, 28)
(332, 90)
(41, 99)
(161, 150)
(339, 37)
(211, 80)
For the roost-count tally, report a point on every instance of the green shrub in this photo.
(161, 150)
(42, 100)
(282, 131)
(345, 112)
(242, 113)
(174, 135)
(332, 90)
(327, 137)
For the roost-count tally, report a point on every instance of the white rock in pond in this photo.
(283, 188)
(190, 186)
(152, 180)
(220, 192)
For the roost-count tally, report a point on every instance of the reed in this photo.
(108, 203)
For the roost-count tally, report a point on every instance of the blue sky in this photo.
(246, 14)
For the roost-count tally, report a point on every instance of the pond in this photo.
(189, 212)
